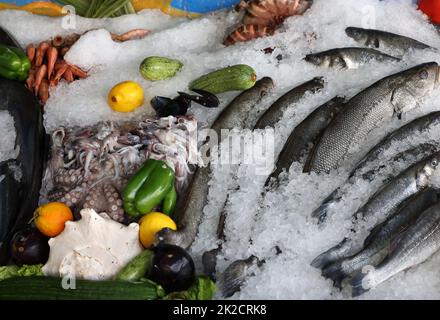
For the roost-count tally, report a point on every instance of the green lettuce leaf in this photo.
(203, 289)
(7, 272)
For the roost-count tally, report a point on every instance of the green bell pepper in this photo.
(151, 186)
(14, 64)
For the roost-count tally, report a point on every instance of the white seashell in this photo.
(93, 248)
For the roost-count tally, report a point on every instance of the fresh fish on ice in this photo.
(348, 58)
(275, 112)
(302, 138)
(383, 204)
(383, 40)
(423, 127)
(238, 114)
(419, 243)
(382, 235)
(370, 109)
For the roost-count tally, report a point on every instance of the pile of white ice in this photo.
(7, 137)
(284, 218)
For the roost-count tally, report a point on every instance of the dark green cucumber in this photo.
(238, 77)
(48, 288)
(137, 268)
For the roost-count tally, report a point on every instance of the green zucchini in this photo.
(137, 268)
(48, 288)
(238, 77)
(159, 68)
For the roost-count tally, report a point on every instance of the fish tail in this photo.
(360, 283)
(234, 276)
(335, 272)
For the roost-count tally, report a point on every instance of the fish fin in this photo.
(357, 284)
(335, 272)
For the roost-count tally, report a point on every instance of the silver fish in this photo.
(348, 58)
(271, 116)
(275, 112)
(369, 110)
(188, 215)
(408, 157)
(417, 245)
(383, 40)
(383, 204)
(302, 138)
(424, 127)
(382, 235)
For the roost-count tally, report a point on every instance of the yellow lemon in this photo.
(150, 224)
(126, 96)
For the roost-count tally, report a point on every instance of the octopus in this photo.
(89, 167)
(262, 17)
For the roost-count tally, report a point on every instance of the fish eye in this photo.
(423, 74)
(434, 163)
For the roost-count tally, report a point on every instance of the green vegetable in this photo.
(48, 288)
(148, 188)
(137, 268)
(203, 289)
(238, 77)
(7, 272)
(159, 68)
(14, 64)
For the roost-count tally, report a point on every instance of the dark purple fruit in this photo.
(29, 246)
(172, 268)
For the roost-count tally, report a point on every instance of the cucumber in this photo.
(48, 288)
(238, 77)
(159, 68)
(137, 268)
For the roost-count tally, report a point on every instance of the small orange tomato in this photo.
(51, 217)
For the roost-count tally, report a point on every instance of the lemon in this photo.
(126, 96)
(150, 224)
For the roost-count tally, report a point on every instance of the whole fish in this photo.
(348, 58)
(269, 118)
(188, 216)
(419, 242)
(382, 235)
(424, 127)
(383, 204)
(369, 110)
(383, 40)
(408, 157)
(302, 138)
(275, 112)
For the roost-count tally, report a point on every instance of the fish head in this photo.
(357, 34)
(421, 79)
(317, 59)
(428, 172)
(267, 84)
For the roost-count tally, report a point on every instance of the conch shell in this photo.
(93, 248)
